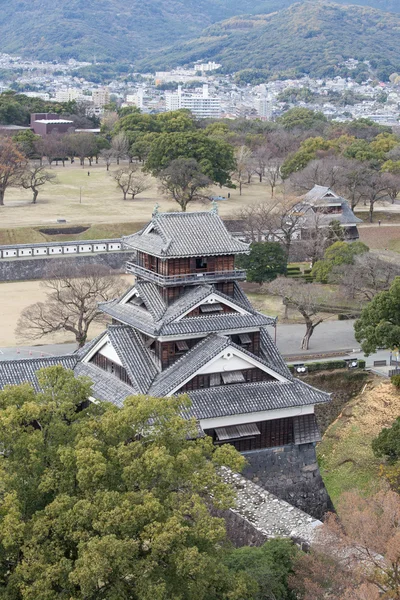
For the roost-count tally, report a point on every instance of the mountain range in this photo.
(308, 37)
(275, 34)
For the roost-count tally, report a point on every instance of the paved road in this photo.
(332, 336)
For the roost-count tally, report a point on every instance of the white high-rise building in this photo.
(263, 107)
(201, 106)
(68, 94)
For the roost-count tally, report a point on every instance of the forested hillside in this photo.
(125, 30)
(308, 37)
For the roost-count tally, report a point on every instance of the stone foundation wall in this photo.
(37, 268)
(292, 474)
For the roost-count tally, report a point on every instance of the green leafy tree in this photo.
(27, 141)
(339, 253)
(107, 502)
(270, 566)
(184, 182)
(387, 444)
(265, 262)
(215, 157)
(302, 118)
(379, 323)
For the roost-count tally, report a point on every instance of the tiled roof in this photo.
(210, 323)
(244, 398)
(143, 320)
(188, 364)
(346, 217)
(152, 298)
(106, 386)
(272, 356)
(318, 192)
(134, 356)
(177, 235)
(14, 372)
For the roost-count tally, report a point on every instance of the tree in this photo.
(302, 118)
(73, 295)
(387, 444)
(27, 142)
(356, 554)
(305, 298)
(12, 163)
(215, 157)
(379, 323)
(131, 180)
(120, 146)
(107, 502)
(375, 188)
(107, 155)
(243, 158)
(270, 566)
(366, 277)
(53, 146)
(339, 253)
(32, 178)
(265, 262)
(392, 183)
(83, 146)
(184, 181)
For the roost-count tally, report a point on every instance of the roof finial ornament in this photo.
(155, 209)
(214, 208)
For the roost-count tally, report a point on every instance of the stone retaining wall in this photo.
(37, 268)
(292, 474)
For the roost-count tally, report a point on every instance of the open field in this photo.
(381, 238)
(345, 454)
(101, 201)
(16, 296)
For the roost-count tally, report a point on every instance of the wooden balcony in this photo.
(185, 278)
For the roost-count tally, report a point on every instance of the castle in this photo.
(186, 327)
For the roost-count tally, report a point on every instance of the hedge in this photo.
(330, 365)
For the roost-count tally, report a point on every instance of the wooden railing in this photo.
(183, 278)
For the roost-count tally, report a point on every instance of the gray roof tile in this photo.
(152, 298)
(15, 372)
(106, 386)
(245, 398)
(134, 356)
(186, 234)
(272, 356)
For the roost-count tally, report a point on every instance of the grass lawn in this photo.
(379, 215)
(95, 199)
(345, 454)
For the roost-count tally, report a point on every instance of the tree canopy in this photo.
(339, 253)
(265, 262)
(107, 502)
(214, 156)
(379, 323)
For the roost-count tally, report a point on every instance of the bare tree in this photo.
(120, 146)
(107, 155)
(356, 553)
(368, 276)
(243, 158)
(272, 173)
(53, 147)
(392, 181)
(324, 171)
(279, 221)
(260, 158)
(374, 189)
(306, 298)
(12, 163)
(184, 182)
(131, 180)
(32, 178)
(73, 295)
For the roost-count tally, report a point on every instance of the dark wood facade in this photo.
(205, 381)
(111, 367)
(277, 432)
(186, 266)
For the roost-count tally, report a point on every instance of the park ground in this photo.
(94, 203)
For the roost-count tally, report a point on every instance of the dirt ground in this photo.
(15, 297)
(381, 238)
(95, 198)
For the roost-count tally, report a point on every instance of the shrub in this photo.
(395, 379)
